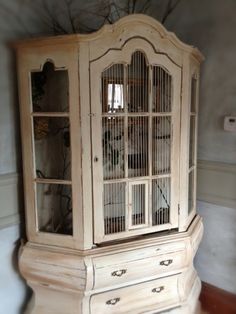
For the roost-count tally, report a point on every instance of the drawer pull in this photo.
(158, 290)
(119, 272)
(166, 262)
(113, 301)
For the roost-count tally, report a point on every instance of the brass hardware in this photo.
(113, 301)
(166, 262)
(119, 272)
(158, 290)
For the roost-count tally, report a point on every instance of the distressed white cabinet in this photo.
(109, 132)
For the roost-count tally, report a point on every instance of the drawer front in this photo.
(121, 273)
(154, 294)
(132, 255)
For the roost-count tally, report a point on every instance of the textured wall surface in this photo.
(216, 258)
(210, 26)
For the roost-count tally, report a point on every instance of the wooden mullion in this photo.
(50, 114)
(126, 146)
(52, 181)
(150, 142)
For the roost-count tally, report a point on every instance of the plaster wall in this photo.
(210, 26)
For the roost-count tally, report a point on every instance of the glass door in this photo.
(136, 123)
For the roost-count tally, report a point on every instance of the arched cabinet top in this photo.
(125, 54)
(116, 35)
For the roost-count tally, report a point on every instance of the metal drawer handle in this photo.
(166, 262)
(119, 272)
(158, 290)
(113, 301)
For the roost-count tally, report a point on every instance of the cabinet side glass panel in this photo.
(191, 183)
(50, 89)
(52, 148)
(192, 146)
(54, 208)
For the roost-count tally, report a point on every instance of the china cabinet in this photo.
(109, 132)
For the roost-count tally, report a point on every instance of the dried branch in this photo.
(68, 4)
(169, 9)
(67, 16)
(53, 22)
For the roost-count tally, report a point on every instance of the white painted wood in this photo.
(145, 272)
(65, 274)
(157, 293)
(141, 268)
(97, 67)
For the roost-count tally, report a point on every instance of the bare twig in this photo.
(169, 9)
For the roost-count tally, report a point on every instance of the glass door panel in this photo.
(161, 145)
(114, 202)
(138, 83)
(113, 89)
(113, 147)
(161, 200)
(138, 146)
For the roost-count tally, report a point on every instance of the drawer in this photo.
(139, 253)
(152, 295)
(121, 273)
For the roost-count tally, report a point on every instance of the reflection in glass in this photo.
(50, 89)
(54, 208)
(113, 89)
(52, 148)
